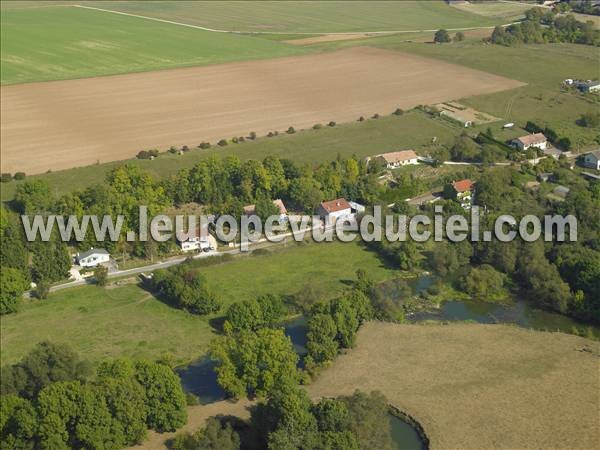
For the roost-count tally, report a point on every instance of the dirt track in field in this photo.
(62, 124)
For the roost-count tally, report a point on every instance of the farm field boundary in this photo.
(62, 124)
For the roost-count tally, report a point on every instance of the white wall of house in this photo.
(197, 243)
(406, 162)
(94, 259)
(520, 146)
(331, 217)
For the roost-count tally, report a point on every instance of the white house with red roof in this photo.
(464, 192)
(333, 210)
(537, 140)
(393, 160)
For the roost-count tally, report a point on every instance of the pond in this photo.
(199, 378)
(405, 437)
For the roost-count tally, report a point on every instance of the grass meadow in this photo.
(477, 386)
(311, 17)
(128, 321)
(56, 43)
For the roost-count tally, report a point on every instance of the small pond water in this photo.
(404, 435)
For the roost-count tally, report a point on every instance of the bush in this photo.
(204, 145)
(290, 130)
(460, 36)
(147, 154)
(317, 126)
(5, 177)
(398, 112)
(331, 124)
(173, 149)
(376, 116)
(589, 120)
(361, 119)
(222, 143)
(19, 176)
(234, 140)
(191, 399)
(441, 36)
(564, 143)
(42, 289)
(242, 139)
(185, 148)
(252, 135)
(101, 275)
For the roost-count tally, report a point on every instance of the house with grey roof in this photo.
(592, 159)
(93, 257)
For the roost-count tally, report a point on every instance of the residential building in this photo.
(463, 190)
(393, 160)
(194, 240)
(93, 257)
(333, 210)
(592, 159)
(589, 86)
(250, 210)
(537, 140)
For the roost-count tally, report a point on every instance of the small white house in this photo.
(93, 257)
(592, 160)
(194, 240)
(394, 160)
(537, 140)
(333, 210)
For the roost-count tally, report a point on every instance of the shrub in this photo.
(252, 135)
(398, 112)
(42, 289)
(564, 143)
(234, 140)
(376, 116)
(460, 36)
(222, 143)
(101, 275)
(242, 139)
(290, 130)
(441, 36)
(19, 176)
(5, 177)
(361, 119)
(185, 148)
(204, 145)
(270, 134)
(317, 126)
(173, 149)
(331, 124)
(589, 119)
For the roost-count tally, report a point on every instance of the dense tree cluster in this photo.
(253, 314)
(543, 26)
(185, 288)
(49, 401)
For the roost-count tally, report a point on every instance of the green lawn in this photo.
(127, 321)
(308, 16)
(54, 43)
(412, 130)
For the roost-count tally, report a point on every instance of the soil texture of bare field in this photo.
(478, 386)
(62, 124)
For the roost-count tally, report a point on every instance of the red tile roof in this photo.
(336, 205)
(463, 185)
(532, 139)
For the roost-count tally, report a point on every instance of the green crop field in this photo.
(412, 130)
(41, 44)
(308, 16)
(128, 321)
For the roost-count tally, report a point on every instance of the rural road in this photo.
(262, 243)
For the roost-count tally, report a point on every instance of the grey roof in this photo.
(561, 190)
(92, 251)
(596, 153)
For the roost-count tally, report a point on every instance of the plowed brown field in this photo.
(62, 124)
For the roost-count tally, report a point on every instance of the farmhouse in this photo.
(592, 159)
(394, 160)
(463, 190)
(93, 257)
(250, 210)
(537, 140)
(191, 241)
(334, 209)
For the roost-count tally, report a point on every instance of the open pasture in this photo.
(478, 386)
(79, 122)
(308, 16)
(52, 42)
